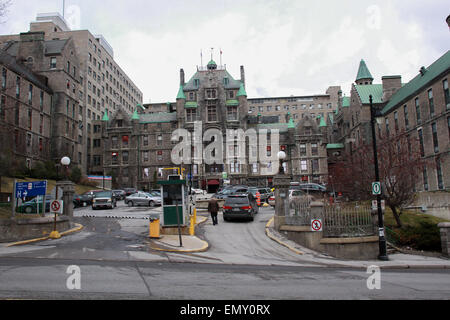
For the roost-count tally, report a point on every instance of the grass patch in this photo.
(419, 231)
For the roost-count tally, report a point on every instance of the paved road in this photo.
(242, 263)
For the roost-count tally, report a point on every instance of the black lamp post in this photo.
(381, 238)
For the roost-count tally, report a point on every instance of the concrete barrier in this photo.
(25, 229)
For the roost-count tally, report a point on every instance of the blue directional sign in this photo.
(31, 189)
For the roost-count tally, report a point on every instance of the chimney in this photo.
(31, 48)
(182, 80)
(242, 75)
(390, 86)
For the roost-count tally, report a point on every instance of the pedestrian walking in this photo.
(213, 208)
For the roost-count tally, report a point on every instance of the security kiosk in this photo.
(173, 200)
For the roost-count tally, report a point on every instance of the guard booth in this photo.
(173, 193)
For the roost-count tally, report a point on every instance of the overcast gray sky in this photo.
(288, 47)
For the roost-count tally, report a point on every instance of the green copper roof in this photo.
(335, 146)
(181, 94)
(191, 105)
(291, 124)
(241, 91)
(345, 102)
(212, 62)
(331, 117)
(135, 115)
(140, 106)
(160, 117)
(232, 103)
(363, 71)
(105, 117)
(323, 123)
(420, 81)
(364, 91)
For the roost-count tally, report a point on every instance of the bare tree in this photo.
(400, 165)
(4, 4)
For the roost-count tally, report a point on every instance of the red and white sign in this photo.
(316, 225)
(56, 206)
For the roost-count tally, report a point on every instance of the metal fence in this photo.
(340, 220)
(348, 221)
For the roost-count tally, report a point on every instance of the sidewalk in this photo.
(396, 261)
(189, 244)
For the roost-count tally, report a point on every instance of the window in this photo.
(3, 106)
(41, 101)
(211, 93)
(17, 114)
(422, 149)
(304, 165)
(191, 115)
(440, 179)
(431, 102)
(387, 126)
(232, 113)
(435, 137)
(315, 165)
(212, 113)
(396, 121)
(53, 63)
(29, 139)
(314, 149)
(97, 143)
(405, 112)
(196, 83)
(254, 168)
(145, 141)
(18, 87)
(446, 93)
(125, 157)
(159, 155)
(30, 119)
(41, 124)
(125, 141)
(4, 72)
(159, 139)
(114, 142)
(418, 117)
(448, 125)
(145, 156)
(235, 167)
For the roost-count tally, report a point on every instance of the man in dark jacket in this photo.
(213, 208)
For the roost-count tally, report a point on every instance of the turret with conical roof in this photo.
(364, 76)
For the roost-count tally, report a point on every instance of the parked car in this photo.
(104, 199)
(271, 200)
(119, 194)
(308, 187)
(264, 192)
(143, 199)
(224, 193)
(197, 191)
(31, 206)
(86, 198)
(130, 191)
(239, 206)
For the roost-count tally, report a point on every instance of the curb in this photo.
(268, 233)
(65, 233)
(364, 267)
(202, 249)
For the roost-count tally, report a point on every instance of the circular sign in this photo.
(55, 206)
(316, 225)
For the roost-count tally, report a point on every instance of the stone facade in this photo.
(102, 87)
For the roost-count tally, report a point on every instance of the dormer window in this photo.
(196, 83)
(211, 94)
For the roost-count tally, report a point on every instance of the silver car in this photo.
(143, 199)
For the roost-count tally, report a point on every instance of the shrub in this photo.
(423, 236)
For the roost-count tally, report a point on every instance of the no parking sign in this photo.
(56, 206)
(316, 225)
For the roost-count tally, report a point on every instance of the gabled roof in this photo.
(181, 94)
(11, 63)
(363, 71)
(241, 91)
(420, 81)
(364, 91)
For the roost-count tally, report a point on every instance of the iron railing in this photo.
(340, 220)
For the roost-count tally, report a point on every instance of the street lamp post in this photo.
(281, 156)
(381, 238)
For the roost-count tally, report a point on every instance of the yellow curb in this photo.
(279, 241)
(19, 243)
(202, 249)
